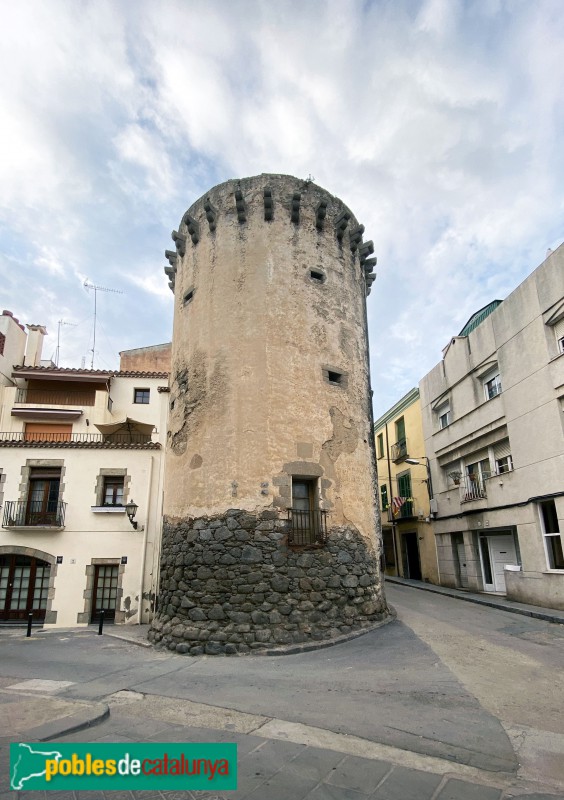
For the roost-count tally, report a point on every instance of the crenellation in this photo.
(180, 241)
(355, 237)
(211, 214)
(320, 214)
(341, 224)
(295, 208)
(268, 205)
(240, 206)
(192, 227)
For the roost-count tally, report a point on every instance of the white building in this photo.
(76, 446)
(493, 420)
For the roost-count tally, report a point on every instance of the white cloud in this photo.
(439, 122)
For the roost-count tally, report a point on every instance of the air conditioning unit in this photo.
(433, 506)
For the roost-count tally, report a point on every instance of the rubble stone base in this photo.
(231, 584)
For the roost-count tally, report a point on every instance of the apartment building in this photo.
(81, 483)
(493, 421)
(405, 491)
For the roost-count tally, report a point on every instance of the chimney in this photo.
(34, 345)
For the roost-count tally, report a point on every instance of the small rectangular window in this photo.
(561, 345)
(384, 496)
(551, 532)
(308, 524)
(2, 343)
(334, 376)
(188, 296)
(444, 419)
(492, 386)
(504, 464)
(380, 440)
(141, 396)
(317, 275)
(113, 491)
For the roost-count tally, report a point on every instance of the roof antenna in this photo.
(87, 285)
(60, 323)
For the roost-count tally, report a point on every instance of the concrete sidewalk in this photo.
(492, 601)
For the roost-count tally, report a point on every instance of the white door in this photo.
(502, 551)
(462, 564)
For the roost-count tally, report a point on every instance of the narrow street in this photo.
(448, 680)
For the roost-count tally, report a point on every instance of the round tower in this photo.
(271, 532)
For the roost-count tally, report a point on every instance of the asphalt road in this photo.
(448, 678)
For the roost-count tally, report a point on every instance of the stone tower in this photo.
(271, 532)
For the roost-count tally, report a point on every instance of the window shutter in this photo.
(559, 329)
(502, 449)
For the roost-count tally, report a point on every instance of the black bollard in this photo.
(29, 621)
(101, 625)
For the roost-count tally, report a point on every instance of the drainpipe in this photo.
(394, 543)
(145, 539)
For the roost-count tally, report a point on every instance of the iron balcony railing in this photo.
(404, 512)
(62, 439)
(31, 513)
(473, 487)
(399, 450)
(58, 398)
(307, 527)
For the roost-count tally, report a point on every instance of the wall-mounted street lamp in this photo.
(415, 462)
(131, 511)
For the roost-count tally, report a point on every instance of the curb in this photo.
(469, 598)
(296, 649)
(97, 713)
(138, 642)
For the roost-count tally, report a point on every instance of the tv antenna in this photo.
(87, 285)
(60, 323)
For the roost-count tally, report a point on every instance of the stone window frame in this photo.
(32, 552)
(90, 570)
(111, 472)
(328, 372)
(35, 463)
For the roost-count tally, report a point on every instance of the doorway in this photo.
(43, 496)
(495, 553)
(105, 592)
(410, 553)
(24, 584)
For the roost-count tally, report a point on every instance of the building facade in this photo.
(405, 491)
(493, 419)
(76, 446)
(271, 531)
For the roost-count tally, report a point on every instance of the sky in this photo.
(440, 123)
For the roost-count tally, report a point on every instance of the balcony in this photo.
(92, 440)
(307, 528)
(61, 397)
(34, 514)
(473, 487)
(405, 512)
(399, 451)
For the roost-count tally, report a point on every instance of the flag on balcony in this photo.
(397, 503)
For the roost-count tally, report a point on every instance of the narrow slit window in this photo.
(334, 377)
(317, 275)
(188, 296)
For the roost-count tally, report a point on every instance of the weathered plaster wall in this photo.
(257, 341)
(248, 392)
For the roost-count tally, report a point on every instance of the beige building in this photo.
(405, 492)
(271, 531)
(77, 446)
(493, 418)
